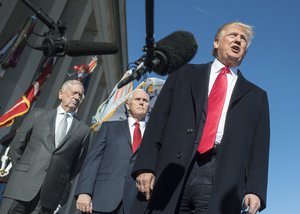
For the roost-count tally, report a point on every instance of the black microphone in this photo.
(170, 53)
(173, 51)
(60, 47)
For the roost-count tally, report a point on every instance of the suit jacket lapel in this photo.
(241, 88)
(199, 78)
(74, 126)
(126, 131)
(51, 117)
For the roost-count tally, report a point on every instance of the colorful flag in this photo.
(114, 107)
(23, 105)
(82, 71)
(10, 53)
(4, 50)
(153, 87)
(108, 108)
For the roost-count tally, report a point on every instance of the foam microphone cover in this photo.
(86, 48)
(178, 48)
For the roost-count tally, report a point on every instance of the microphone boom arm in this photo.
(54, 28)
(149, 46)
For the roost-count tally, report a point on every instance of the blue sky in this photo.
(271, 63)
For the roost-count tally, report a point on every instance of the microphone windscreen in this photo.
(85, 48)
(178, 47)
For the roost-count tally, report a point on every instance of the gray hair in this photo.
(130, 96)
(69, 83)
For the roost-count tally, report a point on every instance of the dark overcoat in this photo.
(40, 167)
(172, 138)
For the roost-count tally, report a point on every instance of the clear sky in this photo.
(271, 63)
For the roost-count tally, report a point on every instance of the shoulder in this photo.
(253, 86)
(110, 128)
(114, 123)
(40, 112)
(191, 68)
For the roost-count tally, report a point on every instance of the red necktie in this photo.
(137, 137)
(214, 109)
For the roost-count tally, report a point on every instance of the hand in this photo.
(84, 203)
(145, 183)
(253, 202)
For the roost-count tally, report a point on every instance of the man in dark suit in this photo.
(105, 169)
(45, 155)
(193, 161)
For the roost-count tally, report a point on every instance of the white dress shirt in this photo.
(60, 115)
(131, 122)
(231, 81)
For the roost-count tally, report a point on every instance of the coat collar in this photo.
(199, 77)
(52, 118)
(126, 131)
(242, 86)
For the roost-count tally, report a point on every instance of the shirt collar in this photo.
(131, 122)
(217, 66)
(60, 110)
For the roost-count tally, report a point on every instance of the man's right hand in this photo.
(145, 183)
(84, 203)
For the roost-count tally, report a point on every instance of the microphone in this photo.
(170, 53)
(61, 47)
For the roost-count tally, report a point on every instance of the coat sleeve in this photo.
(78, 162)
(153, 136)
(257, 171)
(23, 135)
(91, 164)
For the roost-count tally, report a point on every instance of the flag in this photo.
(4, 50)
(114, 107)
(23, 105)
(108, 108)
(82, 71)
(10, 53)
(153, 87)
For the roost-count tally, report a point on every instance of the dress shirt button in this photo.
(179, 155)
(189, 131)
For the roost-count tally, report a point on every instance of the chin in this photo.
(73, 109)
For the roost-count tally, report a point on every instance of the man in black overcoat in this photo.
(232, 174)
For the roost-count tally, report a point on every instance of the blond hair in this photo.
(248, 29)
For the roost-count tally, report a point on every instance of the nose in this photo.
(238, 39)
(77, 97)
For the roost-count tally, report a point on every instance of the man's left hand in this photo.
(253, 202)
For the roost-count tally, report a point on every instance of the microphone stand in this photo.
(149, 26)
(144, 63)
(54, 38)
(149, 46)
(54, 28)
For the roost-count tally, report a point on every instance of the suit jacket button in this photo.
(203, 118)
(189, 131)
(179, 155)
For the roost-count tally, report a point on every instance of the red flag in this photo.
(23, 105)
(82, 71)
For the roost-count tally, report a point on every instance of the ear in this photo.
(60, 93)
(127, 106)
(216, 44)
